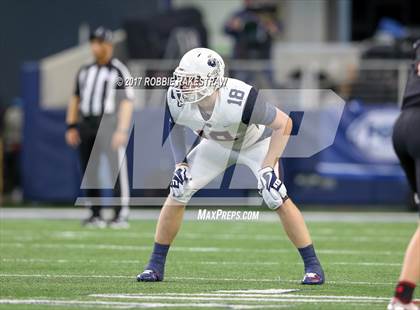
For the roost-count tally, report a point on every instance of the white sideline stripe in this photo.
(114, 304)
(66, 261)
(189, 249)
(186, 278)
(244, 294)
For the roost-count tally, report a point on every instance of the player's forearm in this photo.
(278, 142)
(178, 144)
(125, 114)
(72, 116)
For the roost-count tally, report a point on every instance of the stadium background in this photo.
(353, 193)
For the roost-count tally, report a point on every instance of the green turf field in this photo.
(49, 264)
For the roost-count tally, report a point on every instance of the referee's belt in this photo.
(92, 119)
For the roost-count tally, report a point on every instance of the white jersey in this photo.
(225, 125)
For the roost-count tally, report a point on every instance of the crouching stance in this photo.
(407, 147)
(235, 129)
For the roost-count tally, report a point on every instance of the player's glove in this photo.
(179, 180)
(271, 188)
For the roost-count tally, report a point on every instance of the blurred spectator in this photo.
(389, 30)
(391, 40)
(12, 141)
(253, 29)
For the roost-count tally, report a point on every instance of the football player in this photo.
(407, 147)
(235, 130)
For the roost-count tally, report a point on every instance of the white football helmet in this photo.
(199, 74)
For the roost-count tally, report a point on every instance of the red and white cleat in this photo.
(313, 278)
(395, 304)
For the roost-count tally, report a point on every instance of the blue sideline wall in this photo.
(50, 169)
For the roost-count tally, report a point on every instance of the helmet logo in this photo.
(211, 62)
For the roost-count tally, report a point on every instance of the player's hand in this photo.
(72, 137)
(180, 179)
(271, 188)
(119, 139)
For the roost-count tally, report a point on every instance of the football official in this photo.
(99, 96)
(406, 141)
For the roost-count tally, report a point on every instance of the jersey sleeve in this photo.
(77, 82)
(173, 104)
(257, 112)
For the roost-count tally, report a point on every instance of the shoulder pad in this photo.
(238, 84)
(171, 98)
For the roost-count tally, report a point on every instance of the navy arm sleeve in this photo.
(177, 139)
(257, 112)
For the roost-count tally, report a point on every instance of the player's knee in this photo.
(286, 206)
(182, 199)
(173, 202)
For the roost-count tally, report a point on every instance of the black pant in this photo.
(91, 136)
(406, 139)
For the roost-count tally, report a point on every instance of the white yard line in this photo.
(93, 276)
(286, 293)
(240, 298)
(67, 261)
(370, 264)
(245, 293)
(270, 291)
(116, 247)
(77, 235)
(188, 278)
(280, 280)
(362, 233)
(199, 302)
(215, 263)
(122, 305)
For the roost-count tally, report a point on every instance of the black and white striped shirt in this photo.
(102, 87)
